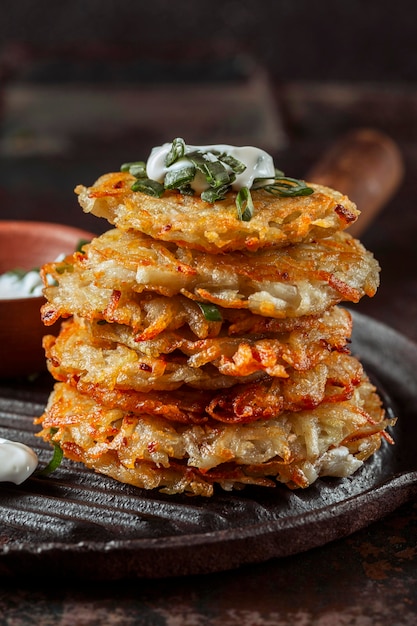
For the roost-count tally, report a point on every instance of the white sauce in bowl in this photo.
(17, 461)
(14, 285)
(22, 284)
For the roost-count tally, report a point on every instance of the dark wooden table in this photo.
(370, 577)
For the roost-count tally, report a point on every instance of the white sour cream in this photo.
(17, 461)
(14, 286)
(259, 164)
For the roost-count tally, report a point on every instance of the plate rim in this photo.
(173, 553)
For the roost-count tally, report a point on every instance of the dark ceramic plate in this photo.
(78, 524)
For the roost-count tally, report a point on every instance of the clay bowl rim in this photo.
(27, 356)
(21, 226)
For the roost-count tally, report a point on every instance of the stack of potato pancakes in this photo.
(201, 348)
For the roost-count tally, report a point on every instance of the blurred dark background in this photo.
(88, 84)
(294, 39)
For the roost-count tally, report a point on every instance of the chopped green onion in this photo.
(210, 311)
(148, 186)
(56, 458)
(175, 179)
(64, 267)
(186, 190)
(218, 178)
(136, 168)
(235, 165)
(244, 205)
(287, 187)
(18, 272)
(215, 172)
(54, 462)
(81, 244)
(215, 194)
(177, 151)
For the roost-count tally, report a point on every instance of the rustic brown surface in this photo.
(367, 578)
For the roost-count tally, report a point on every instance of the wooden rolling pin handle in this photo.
(367, 166)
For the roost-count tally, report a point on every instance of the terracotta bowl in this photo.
(29, 245)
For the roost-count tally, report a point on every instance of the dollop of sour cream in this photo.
(259, 164)
(17, 461)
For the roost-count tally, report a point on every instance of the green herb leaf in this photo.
(244, 205)
(136, 168)
(64, 267)
(148, 186)
(210, 311)
(176, 152)
(81, 244)
(236, 166)
(288, 187)
(56, 460)
(213, 195)
(214, 171)
(219, 179)
(18, 272)
(186, 190)
(175, 179)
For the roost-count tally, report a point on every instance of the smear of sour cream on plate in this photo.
(17, 461)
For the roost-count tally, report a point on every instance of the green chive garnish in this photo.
(56, 460)
(148, 186)
(218, 177)
(175, 179)
(244, 205)
(210, 312)
(81, 244)
(283, 186)
(177, 151)
(235, 165)
(64, 267)
(186, 190)
(215, 172)
(136, 168)
(18, 272)
(215, 194)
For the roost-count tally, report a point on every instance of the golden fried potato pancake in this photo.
(332, 380)
(109, 355)
(147, 313)
(151, 452)
(74, 292)
(294, 281)
(191, 222)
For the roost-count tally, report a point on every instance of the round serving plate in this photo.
(96, 528)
